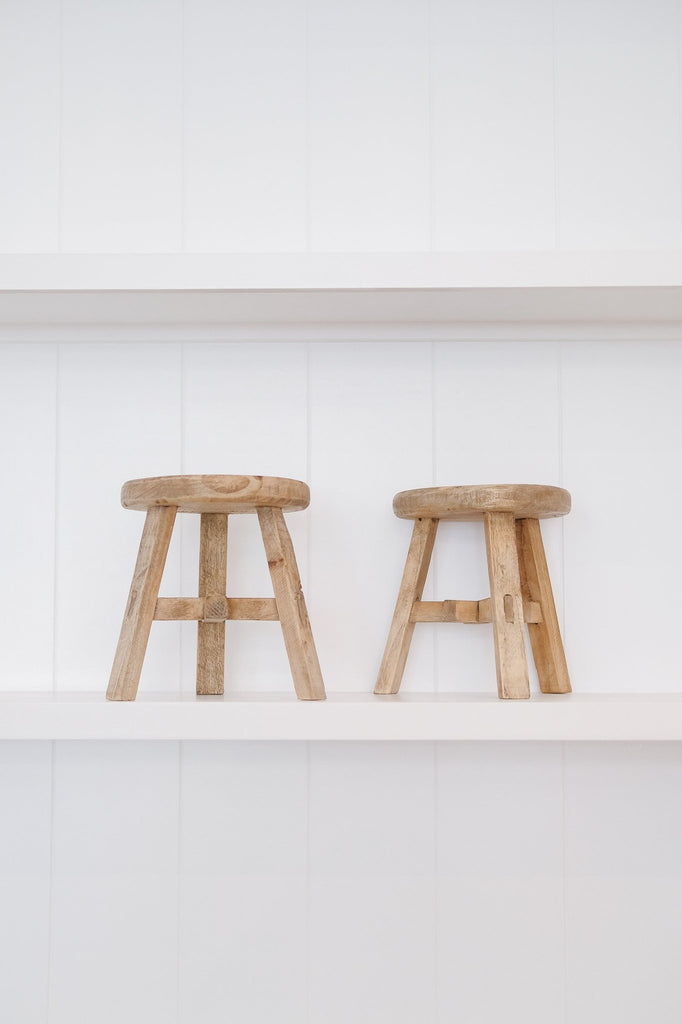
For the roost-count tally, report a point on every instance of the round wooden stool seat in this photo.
(226, 494)
(215, 499)
(520, 587)
(467, 504)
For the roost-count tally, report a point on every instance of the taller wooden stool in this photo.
(214, 498)
(520, 587)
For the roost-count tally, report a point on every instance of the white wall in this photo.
(359, 420)
(322, 883)
(286, 125)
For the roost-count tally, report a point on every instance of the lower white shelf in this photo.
(347, 716)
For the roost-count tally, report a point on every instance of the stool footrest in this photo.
(215, 609)
(465, 611)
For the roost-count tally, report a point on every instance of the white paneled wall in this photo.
(371, 125)
(492, 125)
(368, 128)
(121, 126)
(617, 94)
(324, 883)
(118, 408)
(359, 421)
(321, 882)
(244, 141)
(30, 98)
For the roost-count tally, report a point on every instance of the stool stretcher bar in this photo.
(216, 609)
(465, 611)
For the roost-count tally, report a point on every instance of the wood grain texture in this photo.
(210, 493)
(467, 504)
(172, 609)
(411, 589)
(212, 585)
(291, 606)
(193, 609)
(536, 587)
(506, 605)
(139, 613)
(469, 612)
(253, 609)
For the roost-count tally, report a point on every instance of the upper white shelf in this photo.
(342, 287)
(353, 716)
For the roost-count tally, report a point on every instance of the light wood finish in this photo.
(215, 498)
(216, 493)
(139, 613)
(466, 611)
(212, 584)
(520, 587)
(291, 607)
(536, 586)
(173, 609)
(506, 605)
(215, 608)
(193, 609)
(467, 504)
(254, 609)
(411, 589)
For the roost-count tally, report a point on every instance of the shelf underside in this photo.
(342, 288)
(348, 716)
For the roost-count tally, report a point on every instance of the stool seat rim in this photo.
(215, 493)
(468, 503)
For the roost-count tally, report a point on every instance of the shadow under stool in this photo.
(214, 498)
(520, 586)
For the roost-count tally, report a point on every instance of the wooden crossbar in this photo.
(216, 609)
(465, 611)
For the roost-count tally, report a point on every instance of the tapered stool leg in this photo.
(506, 605)
(411, 589)
(545, 636)
(139, 613)
(212, 587)
(291, 607)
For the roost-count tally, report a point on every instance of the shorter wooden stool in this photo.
(520, 587)
(214, 498)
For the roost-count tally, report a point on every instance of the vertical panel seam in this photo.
(183, 186)
(563, 882)
(55, 513)
(555, 131)
(436, 1013)
(434, 476)
(308, 466)
(181, 627)
(50, 905)
(307, 151)
(679, 104)
(178, 916)
(309, 587)
(60, 128)
(307, 884)
(560, 431)
(429, 117)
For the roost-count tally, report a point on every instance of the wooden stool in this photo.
(214, 498)
(520, 586)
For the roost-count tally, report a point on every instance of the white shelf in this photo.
(88, 716)
(342, 287)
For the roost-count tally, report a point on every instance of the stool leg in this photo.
(506, 605)
(545, 636)
(291, 607)
(212, 583)
(139, 613)
(411, 588)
